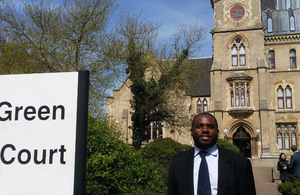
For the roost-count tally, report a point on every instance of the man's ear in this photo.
(192, 132)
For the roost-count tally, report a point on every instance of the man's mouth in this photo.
(205, 138)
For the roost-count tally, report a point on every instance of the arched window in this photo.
(279, 140)
(272, 59)
(238, 53)
(205, 109)
(199, 105)
(292, 23)
(293, 58)
(288, 97)
(292, 19)
(280, 97)
(270, 21)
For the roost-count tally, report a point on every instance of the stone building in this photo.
(253, 79)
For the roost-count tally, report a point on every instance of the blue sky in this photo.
(171, 13)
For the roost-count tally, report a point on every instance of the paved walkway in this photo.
(263, 181)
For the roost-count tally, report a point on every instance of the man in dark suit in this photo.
(228, 173)
(295, 162)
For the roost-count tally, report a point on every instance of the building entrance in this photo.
(242, 140)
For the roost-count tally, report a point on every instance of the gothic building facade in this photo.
(251, 84)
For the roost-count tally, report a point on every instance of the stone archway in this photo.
(242, 140)
(242, 134)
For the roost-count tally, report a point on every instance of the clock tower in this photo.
(238, 89)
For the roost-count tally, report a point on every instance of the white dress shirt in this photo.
(212, 157)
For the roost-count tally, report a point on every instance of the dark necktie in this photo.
(203, 179)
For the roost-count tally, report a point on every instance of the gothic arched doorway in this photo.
(242, 140)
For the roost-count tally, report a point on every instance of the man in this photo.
(228, 173)
(295, 162)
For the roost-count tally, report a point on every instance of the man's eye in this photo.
(199, 125)
(211, 126)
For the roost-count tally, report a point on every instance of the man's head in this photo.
(294, 148)
(205, 130)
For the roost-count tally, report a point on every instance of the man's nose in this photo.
(205, 128)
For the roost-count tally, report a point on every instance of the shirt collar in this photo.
(211, 151)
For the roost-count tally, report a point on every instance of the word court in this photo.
(25, 156)
(8, 112)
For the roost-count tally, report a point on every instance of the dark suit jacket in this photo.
(235, 176)
(295, 164)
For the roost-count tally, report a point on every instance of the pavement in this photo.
(263, 181)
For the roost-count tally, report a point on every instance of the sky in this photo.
(171, 13)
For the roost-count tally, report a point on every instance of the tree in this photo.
(150, 91)
(114, 167)
(70, 37)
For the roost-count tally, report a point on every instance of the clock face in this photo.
(237, 12)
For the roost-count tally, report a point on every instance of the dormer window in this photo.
(291, 19)
(270, 21)
(288, 4)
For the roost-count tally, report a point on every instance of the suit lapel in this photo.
(189, 167)
(224, 170)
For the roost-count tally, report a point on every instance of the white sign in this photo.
(38, 133)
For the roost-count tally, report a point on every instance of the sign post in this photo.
(43, 131)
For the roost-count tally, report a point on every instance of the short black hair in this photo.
(207, 114)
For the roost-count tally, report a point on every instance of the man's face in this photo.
(204, 131)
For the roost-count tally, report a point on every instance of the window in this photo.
(202, 106)
(270, 21)
(272, 59)
(205, 105)
(292, 19)
(199, 105)
(231, 95)
(280, 97)
(294, 138)
(286, 135)
(286, 141)
(234, 55)
(238, 53)
(288, 97)
(239, 94)
(242, 55)
(292, 23)
(279, 140)
(293, 58)
(288, 4)
(155, 131)
(284, 97)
